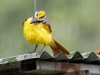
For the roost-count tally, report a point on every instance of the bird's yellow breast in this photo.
(36, 33)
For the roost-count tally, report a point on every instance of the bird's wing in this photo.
(48, 27)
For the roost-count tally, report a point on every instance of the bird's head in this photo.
(38, 16)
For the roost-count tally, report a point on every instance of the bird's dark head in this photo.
(39, 16)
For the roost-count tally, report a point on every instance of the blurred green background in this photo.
(75, 24)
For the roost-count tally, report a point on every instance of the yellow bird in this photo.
(37, 30)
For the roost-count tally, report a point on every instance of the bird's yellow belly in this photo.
(36, 34)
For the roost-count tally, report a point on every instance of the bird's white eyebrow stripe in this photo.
(35, 14)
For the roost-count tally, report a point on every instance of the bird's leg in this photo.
(35, 47)
(42, 49)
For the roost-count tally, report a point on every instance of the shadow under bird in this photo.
(37, 30)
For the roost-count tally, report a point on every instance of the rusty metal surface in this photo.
(62, 68)
(45, 63)
(67, 67)
(46, 67)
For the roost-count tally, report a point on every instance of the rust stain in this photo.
(63, 66)
(67, 67)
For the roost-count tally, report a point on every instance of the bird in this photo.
(37, 30)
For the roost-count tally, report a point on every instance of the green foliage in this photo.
(75, 24)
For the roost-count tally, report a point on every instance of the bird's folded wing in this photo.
(47, 26)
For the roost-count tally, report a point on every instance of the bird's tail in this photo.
(57, 48)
